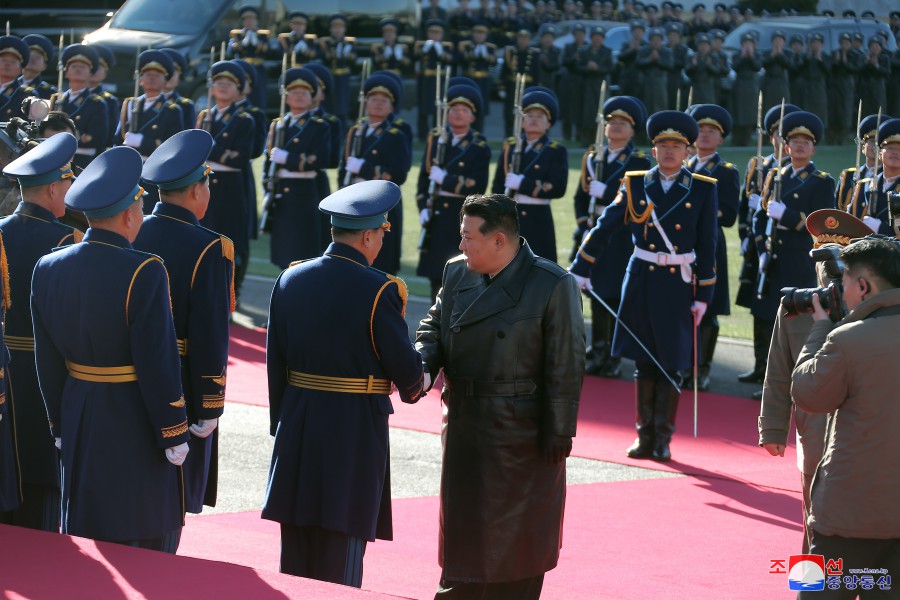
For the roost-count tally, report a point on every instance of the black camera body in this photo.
(798, 301)
(893, 202)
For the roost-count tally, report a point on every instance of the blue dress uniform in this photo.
(200, 265)
(607, 278)
(431, 55)
(339, 55)
(802, 192)
(685, 215)
(87, 110)
(232, 130)
(477, 60)
(188, 110)
(394, 57)
(252, 46)
(9, 467)
(331, 357)
(31, 232)
(302, 141)
(385, 155)
(261, 123)
(113, 106)
(545, 167)
(869, 201)
(108, 367)
(466, 165)
(15, 92)
(40, 44)
(846, 185)
(302, 49)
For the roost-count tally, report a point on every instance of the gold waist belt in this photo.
(341, 71)
(102, 374)
(253, 60)
(23, 344)
(429, 72)
(478, 74)
(348, 385)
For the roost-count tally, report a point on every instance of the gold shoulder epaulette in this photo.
(635, 173)
(350, 40)
(285, 35)
(640, 154)
(729, 165)
(393, 130)
(553, 144)
(822, 174)
(491, 46)
(264, 32)
(310, 36)
(235, 32)
(97, 98)
(402, 290)
(705, 178)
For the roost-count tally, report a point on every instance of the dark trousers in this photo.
(322, 554)
(40, 508)
(857, 553)
(168, 543)
(523, 589)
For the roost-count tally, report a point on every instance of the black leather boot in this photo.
(601, 336)
(645, 389)
(762, 337)
(665, 408)
(707, 338)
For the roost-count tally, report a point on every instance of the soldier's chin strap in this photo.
(635, 337)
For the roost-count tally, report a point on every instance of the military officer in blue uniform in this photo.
(113, 107)
(41, 53)
(339, 55)
(671, 213)
(200, 265)
(252, 44)
(383, 154)
(431, 55)
(87, 110)
(866, 133)
(331, 358)
(298, 142)
(14, 55)
(804, 189)
(108, 367)
(543, 171)
(477, 56)
(714, 125)
(45, 175)
(261, 130)
(748, 203)
(188, 110)
(389, 54)
(443, 187)
(395, 119)
(601, 178)
(301, 46)
(232, 129)
(870, 201)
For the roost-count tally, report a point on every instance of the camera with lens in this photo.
(798, 301)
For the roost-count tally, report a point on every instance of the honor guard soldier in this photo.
(745, 99)
(41, 53)
(680, 56)
(389, 54)
(870, 201)
(671, 214)
(261, 131)
(595, 65)
(601, 178)
(866, 134)
(434, 11)
(113, 107)
(509, 27)
(845, 65)
(188, 110)
(108, 368)
(714, 125)
(542, 173)
(88, 111)
(520, 58)
(200, 266)
(383, 154)
(817, 70)
(873, 74)
(796, 74)
(232, 129)
(298, 141)
(572, 104)
(750, 198)
(45, 175)
(14, 55)
(478, 56)
(431, 54)
(443, 187)
(396, 120)
(461, 22)
(339, 55)
(785, 246)
(698, 23)
(151, 118)
(630, 79)
(301, 46)
(655, 61)
(551, 58)
(252, 44)
(776, 65)
(703, 69)
(332, 357)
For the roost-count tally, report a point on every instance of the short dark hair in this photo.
(175, 192)
(498, 211)
(57, 121)
(879, 256)
(342, 233)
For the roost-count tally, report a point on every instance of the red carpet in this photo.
(671, 538)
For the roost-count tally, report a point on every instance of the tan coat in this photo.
(852, 369)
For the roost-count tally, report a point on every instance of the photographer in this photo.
(849, 368)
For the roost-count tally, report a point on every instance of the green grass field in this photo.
(828, 158)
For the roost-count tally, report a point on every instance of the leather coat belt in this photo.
(471, 387)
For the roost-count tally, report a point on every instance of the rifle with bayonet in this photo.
(265, 223)
(515, 162)
(57, 97)
(356, 142)
(872, 192)
(599, 163)
(135, 113)
(442, 109)
(208, 117)
(770, 255)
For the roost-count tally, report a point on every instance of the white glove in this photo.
(133, 139)
(388, 51)
(438, 48)
(398, 52)
(873, 223)
(763, 259)
(426, 381)
(775, 210)
(745, 245)
(513, 181)
(58, 443)
(278, 156)
(424, 216)
(250, 39)
(300, 47)
(753, 201)
(481, 50)
(699, 309)
(354, 165)
(437, 174)
(584, 283)
(177, 454)
(348, 50)
(204, 427)
(597, 189)
(427, 45)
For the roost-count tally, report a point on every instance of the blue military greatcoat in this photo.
(860, 206)
(109, 371)
(656, 299)
(113, 108)
(329, 394)
(200, 265)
